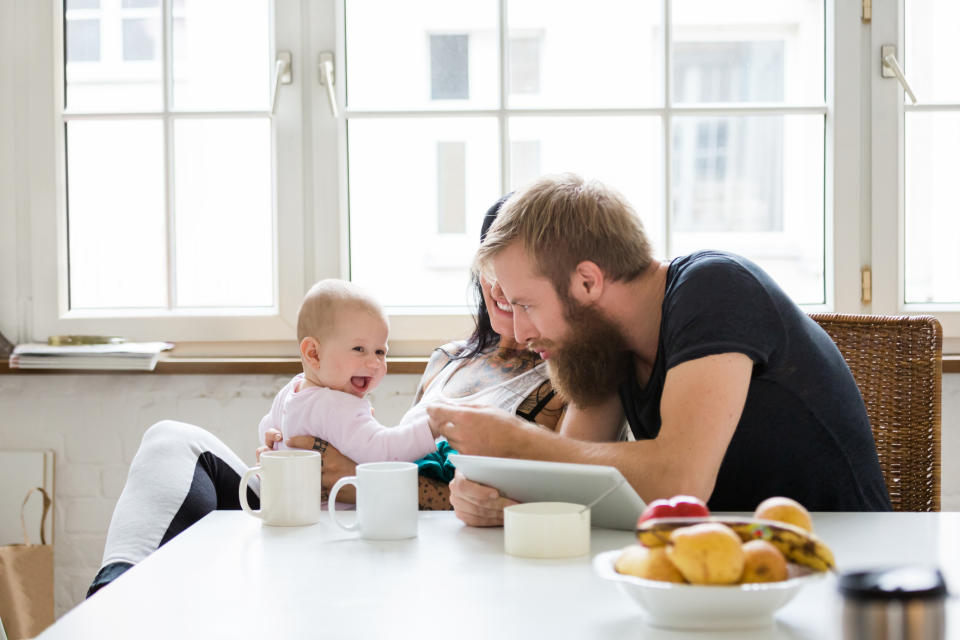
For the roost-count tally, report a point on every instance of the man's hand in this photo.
(475, 504)
(480, 431)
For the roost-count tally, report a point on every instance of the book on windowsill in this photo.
(131, 356)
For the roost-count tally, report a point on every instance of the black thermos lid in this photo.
(898, 583)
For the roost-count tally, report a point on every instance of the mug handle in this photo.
(243, 491)
(332, 502)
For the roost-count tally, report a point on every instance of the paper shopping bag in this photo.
(26, 580)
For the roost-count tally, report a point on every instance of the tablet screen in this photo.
(539, 481)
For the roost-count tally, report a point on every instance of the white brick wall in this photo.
(94, 424)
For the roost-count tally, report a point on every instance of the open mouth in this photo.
(503, 307)
(360, 383)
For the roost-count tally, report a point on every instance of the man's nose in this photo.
(523, 329)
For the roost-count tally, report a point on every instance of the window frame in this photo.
(862, 225)
(49, 312)
(887, 174)
(416, 331)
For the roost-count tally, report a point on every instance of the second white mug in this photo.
(387, 500)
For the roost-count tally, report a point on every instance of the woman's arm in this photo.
(600, 423)
(434, 494)
(440, 357)
(544, 406)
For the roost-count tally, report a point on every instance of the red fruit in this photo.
(675, 507)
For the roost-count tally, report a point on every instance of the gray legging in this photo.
(179, 474)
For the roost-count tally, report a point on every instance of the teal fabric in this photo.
(436, 465)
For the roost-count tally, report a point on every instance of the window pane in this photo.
(624, 152)
(220, 68)
(932, 31)
(83, 40)
(525, 65)
(449, 67)
(141, 39)
(754, 186)
(135, 4)
(224, 213)
(748, 51)
(82, 4)
(114, 66)
(932, 224)
(617, 61)
(452, 186)
(115, 201)
(424, 54)
(397, 250)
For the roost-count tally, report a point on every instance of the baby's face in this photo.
(353, 358)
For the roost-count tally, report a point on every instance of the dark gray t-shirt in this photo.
(804, 432)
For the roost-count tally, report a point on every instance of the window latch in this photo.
(890, 68)
(328, 79)
(282, 74)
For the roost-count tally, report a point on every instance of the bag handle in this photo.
(43, 519)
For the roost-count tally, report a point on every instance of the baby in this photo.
(343, 348)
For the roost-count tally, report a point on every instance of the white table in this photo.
(231, 577)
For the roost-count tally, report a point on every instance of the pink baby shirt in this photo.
(344, 420)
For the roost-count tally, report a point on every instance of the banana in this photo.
(797, 545)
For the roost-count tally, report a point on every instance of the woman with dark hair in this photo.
(489, 369)
(182, 472)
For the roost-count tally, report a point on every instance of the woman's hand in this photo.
(475, 504)
(335, 465)
(270, 438)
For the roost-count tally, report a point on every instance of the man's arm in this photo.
(700, 408)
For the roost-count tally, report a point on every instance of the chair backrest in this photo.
(897, 363)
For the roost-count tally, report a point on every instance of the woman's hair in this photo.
(562, 220)
(483, 336)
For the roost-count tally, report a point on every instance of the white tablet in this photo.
(538, 481)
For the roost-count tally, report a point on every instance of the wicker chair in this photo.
(897, 363)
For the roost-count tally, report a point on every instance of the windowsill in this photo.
(280, 366)
(224, 366)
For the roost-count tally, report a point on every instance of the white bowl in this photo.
(688, 606)
(546, 530)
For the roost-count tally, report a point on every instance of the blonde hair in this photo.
(562, 220)
(318, 312)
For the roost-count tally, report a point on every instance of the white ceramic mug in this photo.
(387, 500)
(289, 488)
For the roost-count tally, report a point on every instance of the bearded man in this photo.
(732, 392)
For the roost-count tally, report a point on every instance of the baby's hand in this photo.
(270, 440)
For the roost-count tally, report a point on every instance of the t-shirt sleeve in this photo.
(719, 306)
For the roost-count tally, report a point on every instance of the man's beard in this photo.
(594, 359)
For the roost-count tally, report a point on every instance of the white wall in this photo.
(94, 424)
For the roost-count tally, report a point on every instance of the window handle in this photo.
(282, 74)
(891, 69)
(327, 79)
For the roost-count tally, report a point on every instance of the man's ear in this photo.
(310, 351)
(587, 281)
